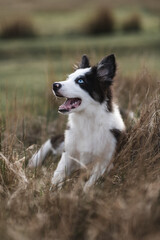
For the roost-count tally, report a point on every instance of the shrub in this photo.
(101, 23)
(18, 28)
(132, 24)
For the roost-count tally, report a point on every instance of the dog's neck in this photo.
(94, 116)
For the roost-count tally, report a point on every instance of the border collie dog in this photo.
(94, 122)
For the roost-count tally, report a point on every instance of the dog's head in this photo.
(87, 85)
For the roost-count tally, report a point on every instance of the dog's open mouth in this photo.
(69, 104)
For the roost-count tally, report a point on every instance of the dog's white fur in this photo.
(89, 138)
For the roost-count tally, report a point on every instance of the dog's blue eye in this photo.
(80, 81)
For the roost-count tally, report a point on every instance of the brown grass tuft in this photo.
(132, 24)
(17, 28)
(102, 22)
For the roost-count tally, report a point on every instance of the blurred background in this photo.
(40, 41)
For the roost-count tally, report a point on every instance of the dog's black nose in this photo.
(56, 86)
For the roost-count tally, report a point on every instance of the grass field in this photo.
(51, 55)
(124, 204)
(28, 67)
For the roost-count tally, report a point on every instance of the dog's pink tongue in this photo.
(69, 104)
(66, 105)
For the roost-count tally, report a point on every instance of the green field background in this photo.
(28, 67)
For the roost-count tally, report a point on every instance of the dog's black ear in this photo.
(106, 69)
(84, 62)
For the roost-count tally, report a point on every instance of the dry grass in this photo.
(102, 22)
(17, 28)
(125, 204)
(132, 24)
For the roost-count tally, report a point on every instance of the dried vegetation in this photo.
(125, 204)
(17, 28)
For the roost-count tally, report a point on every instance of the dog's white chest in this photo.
(87, 137)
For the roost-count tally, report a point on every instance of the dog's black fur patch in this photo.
(84, 62)
(116, 133)
(57, 140)
(98, 81)
(109, 98)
